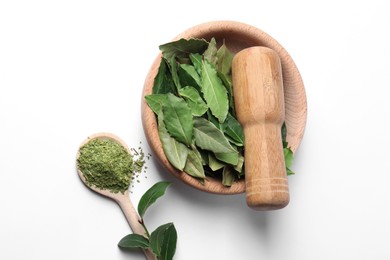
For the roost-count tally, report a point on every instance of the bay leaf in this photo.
(227, 82)
(196, 60)
(163, 81)
(230, 158)
(168, 245)
(156, 101)
(215, 121)
(194, 166)
(151, 195)
(175, 151)
(288, 158)
(214, 164)
(214, 92)
(284, 135)
(227, 176)
(178, 119)
(194, 100)
(224, 60)
(234, 130)
(159, 236)
(173, 67)
(211, 52)
(188, 76)
(239, 167)
(134, 241)
(209, 137)
(183, 47)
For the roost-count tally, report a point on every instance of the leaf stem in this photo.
(142, 222)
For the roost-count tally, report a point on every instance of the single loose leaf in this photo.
(234, 130)
(173, 67)
(224, 60)
(175, 151)
(156, 101)
(288, 156)
(178, 119)
(195, 102)
(183, 47)
(168, 247)
(163, 81)
(230, 158)
(151, 195)
(211, 52)
(196, 60)
(284, 135)
(209, 137)
(188, 76)
(240, 165)
(214, 164)
(194, 166)
(227, 82)
(227, 176)
(214, 92)
(134, 241)
(157, 238)
(289, 171)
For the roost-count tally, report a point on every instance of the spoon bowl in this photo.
(122, 199)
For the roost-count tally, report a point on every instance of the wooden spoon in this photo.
(259, 102)
(123, 200)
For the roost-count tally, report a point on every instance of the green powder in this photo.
(107, 165)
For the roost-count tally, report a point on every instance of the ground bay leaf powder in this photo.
(107, 165)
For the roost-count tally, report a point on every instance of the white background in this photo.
(69, 69)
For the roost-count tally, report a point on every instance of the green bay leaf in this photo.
(194, 100)
(157, 238)
(134, 241)
(156, 101)
(163, 81)
(194, 166)
(227, 82)
(168, 247)
(178, 119)
(176, 152)
(209, 137)
(211, 52)
(227, 176)
(173, 68)
(214, 164)
(224, 60)
(183, 47)
(214, 92)
(196, 60)
(188, 76)
(239, 167)
(230, 158)
(234, 130)
(151, 195)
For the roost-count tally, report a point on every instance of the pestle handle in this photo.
(259, 102)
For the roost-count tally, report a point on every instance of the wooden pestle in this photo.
(259, 102)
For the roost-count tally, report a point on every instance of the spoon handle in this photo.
(133, 219)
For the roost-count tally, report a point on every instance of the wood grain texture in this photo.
(237, 36)
(259, 102)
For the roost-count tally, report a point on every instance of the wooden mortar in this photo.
(237, 36)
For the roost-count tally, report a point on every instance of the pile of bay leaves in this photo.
(192, 98)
